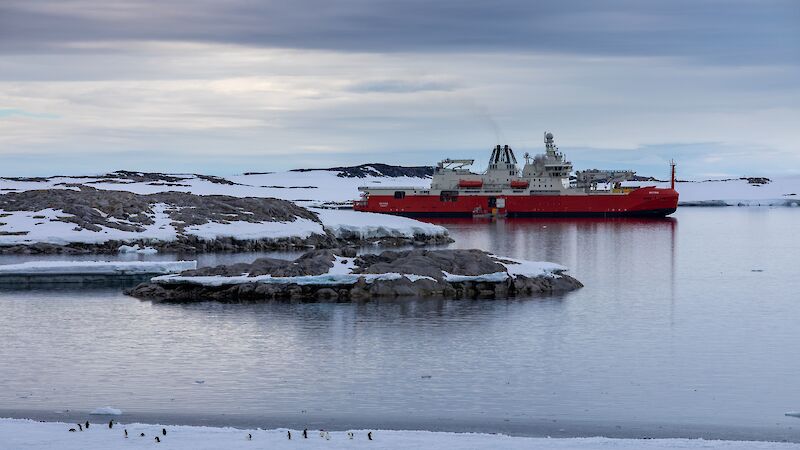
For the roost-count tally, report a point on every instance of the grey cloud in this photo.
(736, 31)
(400, 86)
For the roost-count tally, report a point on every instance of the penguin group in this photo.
(322, 433)
(86, 425)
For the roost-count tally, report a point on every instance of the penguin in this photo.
(157, 439)
(80, 427)
(72, 430)
(369, 435)
(110, 424)
(141, 434)
(249, 437)
(126, 433)
(87, 424)
(289, 434)
(327, 436)
(305, 433)
(350, 434)
(321, 433)
(164, 431)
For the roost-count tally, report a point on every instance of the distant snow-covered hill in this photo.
(338, 186)
(744, 191)
(308, 187)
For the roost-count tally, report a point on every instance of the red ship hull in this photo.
(647, 201)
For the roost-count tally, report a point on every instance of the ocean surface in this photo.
(688, 326)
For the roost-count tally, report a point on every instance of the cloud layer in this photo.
(241, 85)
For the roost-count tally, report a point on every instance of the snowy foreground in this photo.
(28, 434)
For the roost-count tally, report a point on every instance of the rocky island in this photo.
(80, 219)
(340, 274)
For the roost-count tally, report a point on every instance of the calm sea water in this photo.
(686, 327)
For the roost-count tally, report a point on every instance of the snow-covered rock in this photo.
(341, 275)
(143, 223)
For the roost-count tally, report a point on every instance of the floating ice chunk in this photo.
(97, 267)
(793, 414)
(106, 411)
(136, 249)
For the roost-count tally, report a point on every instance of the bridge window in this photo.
(399, 194)
(448, 196)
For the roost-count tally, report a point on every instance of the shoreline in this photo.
(528, 427)
(45, 435)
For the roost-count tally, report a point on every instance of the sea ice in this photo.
(106, 411)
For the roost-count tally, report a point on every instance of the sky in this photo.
(224, 87)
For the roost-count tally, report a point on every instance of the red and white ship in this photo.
(542, 188)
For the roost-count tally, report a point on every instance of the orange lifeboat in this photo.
(519, 184)
(470, 183)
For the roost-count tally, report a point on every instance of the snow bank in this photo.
(106, 411)
(29, 434)
(364, 225)
(96, 267)
(241, 230)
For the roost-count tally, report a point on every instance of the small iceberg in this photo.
(106, 411)
(793, 414)
(136, 249)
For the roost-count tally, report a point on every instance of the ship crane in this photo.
(455, 163)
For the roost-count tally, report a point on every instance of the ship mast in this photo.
(672, 176)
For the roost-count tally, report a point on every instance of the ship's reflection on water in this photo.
(578, 243)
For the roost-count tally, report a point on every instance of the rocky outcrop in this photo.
(96, 210)
(414, 273)
(91, 208)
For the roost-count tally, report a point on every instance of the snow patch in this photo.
(364, 225)
(300, 227)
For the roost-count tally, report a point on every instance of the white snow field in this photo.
(96, 267)
(342, 273)
(782, 191)
(32, 435)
